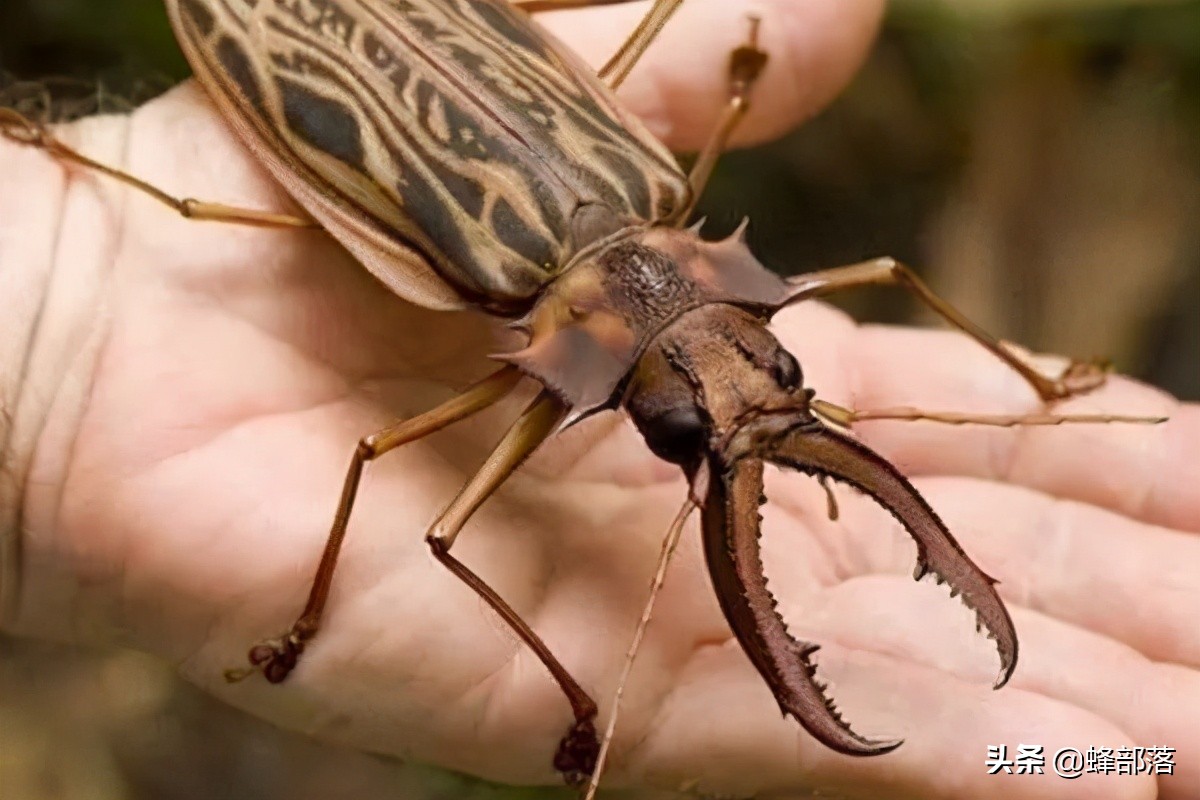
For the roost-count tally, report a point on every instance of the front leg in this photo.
(1078, 378)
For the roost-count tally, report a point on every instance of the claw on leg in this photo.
(831, 503)
(577, 753)
(1082, 377)
(274, 658)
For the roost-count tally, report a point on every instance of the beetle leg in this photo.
(578, 750)
(618, 67)
(538, 6)
(746, 63)
(1079, 377)
(277, 658)
(20, 129)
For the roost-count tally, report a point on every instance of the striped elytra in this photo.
(460, 152)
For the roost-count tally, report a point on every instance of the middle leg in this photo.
(746, 63)
(538, 6)
(578, 749)
(631, 51)
(619, 66)
(276, 658)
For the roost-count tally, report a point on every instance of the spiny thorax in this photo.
(591, 325)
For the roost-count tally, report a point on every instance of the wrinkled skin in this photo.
(180, 504)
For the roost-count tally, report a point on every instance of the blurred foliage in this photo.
(1038, 159)
(113, 41)
(1031, 164)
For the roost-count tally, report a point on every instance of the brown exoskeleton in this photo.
(468, 159)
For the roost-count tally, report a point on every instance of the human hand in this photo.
(185, 477)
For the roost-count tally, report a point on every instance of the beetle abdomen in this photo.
(452, 127)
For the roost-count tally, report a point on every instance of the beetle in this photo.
(468, 159)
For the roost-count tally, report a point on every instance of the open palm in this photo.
(180, 501)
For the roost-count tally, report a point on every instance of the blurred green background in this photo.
(1039, 161)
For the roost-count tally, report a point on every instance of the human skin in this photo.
(186, 397)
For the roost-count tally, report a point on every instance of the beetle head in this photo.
(674, 328)
(713, 369)
(717, 394)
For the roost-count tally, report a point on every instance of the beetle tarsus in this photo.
(274, 658)
(1081, 377)
(747, 62)
(577, 753)
(20, 129)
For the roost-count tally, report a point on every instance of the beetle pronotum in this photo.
(468, 159)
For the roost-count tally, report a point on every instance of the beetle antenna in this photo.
(668, 549)
(845, 417)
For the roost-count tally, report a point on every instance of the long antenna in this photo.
(664, 558)
(845, 417)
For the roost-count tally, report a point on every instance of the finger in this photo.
(720, 732)
(1145, 472)
(681, 85)
(1128, 580)
(1155, 704)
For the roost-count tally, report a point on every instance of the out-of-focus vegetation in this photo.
(1038, 161)
(1040, 168)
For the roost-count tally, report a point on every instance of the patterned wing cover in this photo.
(456, 131)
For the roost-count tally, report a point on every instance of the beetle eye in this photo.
(787, 370)
(677, 436)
